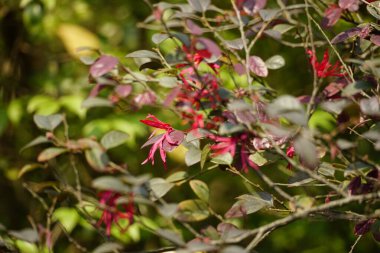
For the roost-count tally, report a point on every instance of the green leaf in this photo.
(193, 156)
(205, 151)
(322, 121)
(258, 159)
(355, 88)
(248, 204)
(283, 28)
(192, 210)
(157, 38)
(110, 183)
(275, 62)
(168, 210)
(301, 202)
(50, 153)
(234, 249)
(268, 14)
(36, 141)
(143, 54)
(374, 9)
(49, 122)
(200, 189)
(68, 217)
(97, 158)
(326, 169)
(168, 81)
(170, 236)
(177, 176)
(307, 150)
(108, 247)
(29, 167)
(96, 102)
(27, 234)
(288, 107)
(113, 139)
(225, 159)
(200, 5)
(159, 187)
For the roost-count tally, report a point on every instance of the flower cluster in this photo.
(111, 213)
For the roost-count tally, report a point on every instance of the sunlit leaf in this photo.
(143, 54)
(49, 122)
(75, 36)
(97, 158)
(275, 62)
(106, 183)
(50, 153)
(38, 140)
(113, 139)
(200, 189)
(68, 217)
(200, 5)
(159, 187)
(193, 156)
(108, 247)
(29, 167)
(248, 204)
(27, 234)
(192, 210)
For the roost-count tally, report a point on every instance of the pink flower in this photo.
(230, 145)
(165, 142)
(290, 152)
(324, 68)
(111, 214)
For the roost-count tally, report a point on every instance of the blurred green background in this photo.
(40, 72)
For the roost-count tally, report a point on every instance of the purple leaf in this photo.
(332, 15)
(211, 46)
(146, 98)
(239, 68)
(351, 5)
(257, 66)
(193, 28)
(96, 89)
(346, 35)
(123, 90)
(375, 39)
(152, 140)
(171, 96)
(176, 138)
(103, 65)
(363, 227)
(253, 6)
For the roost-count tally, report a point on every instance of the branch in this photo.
(299, 215)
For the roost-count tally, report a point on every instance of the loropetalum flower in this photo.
(164, 142)
(290, 152)
(111, 211)
(230, 145)
(324, 68)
